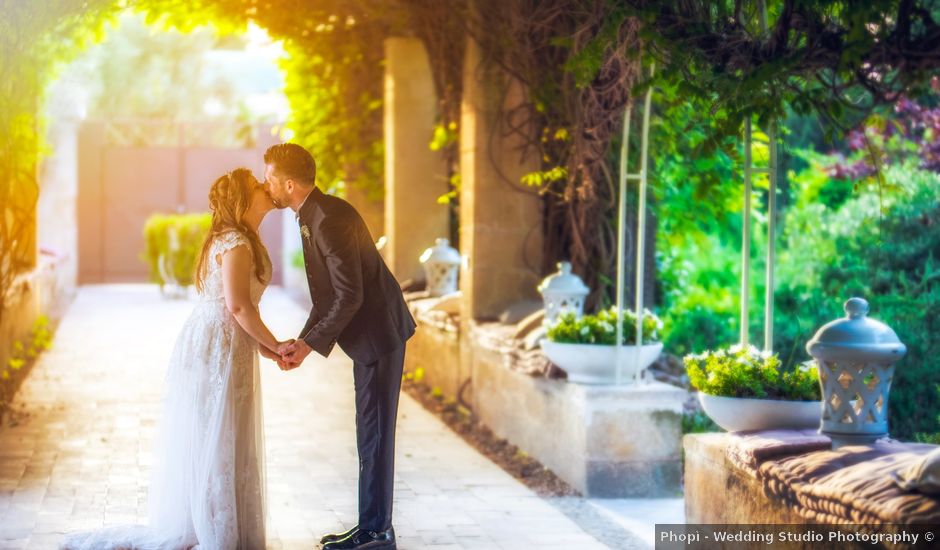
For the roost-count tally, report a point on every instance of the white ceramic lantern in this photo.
(441, 263)
(563, 292)
(855, 357)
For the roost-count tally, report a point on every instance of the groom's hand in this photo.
(294, 353)
(283, 347)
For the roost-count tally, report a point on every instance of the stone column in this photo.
(370, 208)
(500, 219)
(415, 176)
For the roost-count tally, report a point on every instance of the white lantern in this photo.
(441, 263)
(563, 292)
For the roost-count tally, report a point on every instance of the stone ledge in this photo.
(717, 492)
(436, 351)
(798, 481)
(605, 441)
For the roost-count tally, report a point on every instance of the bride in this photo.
(207, 487)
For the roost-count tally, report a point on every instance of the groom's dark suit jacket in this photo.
(356, 300)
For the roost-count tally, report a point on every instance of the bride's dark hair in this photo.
(229, 200)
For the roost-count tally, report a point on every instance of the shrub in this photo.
(190, 230)
(882, 245)
(602, 328)
(743, 371)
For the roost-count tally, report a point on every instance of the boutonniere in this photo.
(305, 231)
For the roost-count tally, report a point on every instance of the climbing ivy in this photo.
(35, 39)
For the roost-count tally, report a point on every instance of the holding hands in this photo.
(288, 354)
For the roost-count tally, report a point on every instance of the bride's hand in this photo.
(283, 348)
(268, 353)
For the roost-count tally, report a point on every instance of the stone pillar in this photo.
(370, 208)
(500, 219)
(415, 176)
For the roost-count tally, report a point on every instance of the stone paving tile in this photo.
(82, 459)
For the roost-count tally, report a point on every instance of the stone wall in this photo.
(716, 492)
(605, 441)
(46, 290)
(436, 352)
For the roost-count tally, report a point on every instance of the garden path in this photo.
(80, 455)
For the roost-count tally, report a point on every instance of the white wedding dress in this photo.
(207, 487)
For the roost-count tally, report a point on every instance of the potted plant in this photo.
(584, 346)
(171, 248)
(743, 388)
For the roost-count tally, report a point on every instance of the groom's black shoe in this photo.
(337, 536)
(360, 539)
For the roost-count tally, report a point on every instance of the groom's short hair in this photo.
(292, 161)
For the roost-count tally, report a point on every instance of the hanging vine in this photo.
(579, 62)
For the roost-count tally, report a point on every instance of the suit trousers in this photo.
(377, 389)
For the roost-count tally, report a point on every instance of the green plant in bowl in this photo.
(601, 328)
(745, 371)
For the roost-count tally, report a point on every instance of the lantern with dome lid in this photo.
(441, 263)
(563, 292)
(856, 357)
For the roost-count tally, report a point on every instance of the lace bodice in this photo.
(212, 287)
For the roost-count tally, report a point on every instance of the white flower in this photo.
(606, 326)
(305, 231)
(585, 331)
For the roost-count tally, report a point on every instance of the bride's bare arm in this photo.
(236, 284)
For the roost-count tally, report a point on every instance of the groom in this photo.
(358, 304)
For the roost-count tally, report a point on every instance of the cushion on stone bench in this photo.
(923, 476)
(747, 450)
(852, 484)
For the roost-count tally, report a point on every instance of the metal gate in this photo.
(129, 170)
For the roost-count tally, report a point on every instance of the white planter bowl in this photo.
(596, 364)
(736, 414)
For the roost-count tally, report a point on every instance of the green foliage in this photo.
(297, 259)
(837, 238)
(443, 136)
(36, 38)
(602, 328)
(452, 196)
(832, 59)
(880, 244)
(40, 339)
(744, 371)
(342, 129)
(542, 177)
(697, 422)
(177, 237)
(699, 198)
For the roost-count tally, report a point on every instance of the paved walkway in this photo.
(81, 459)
